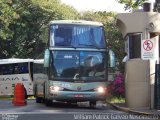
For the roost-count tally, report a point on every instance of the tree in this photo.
(25, 29)
(157, 6)
(52, 10)
(131, 4)
(24, 25)
(8, 16)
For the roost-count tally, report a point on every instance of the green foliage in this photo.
(134, 4)
(115, 99)
(56, 9)
(103, 17)
(7, 16)
(131, 4)
(24, 25)
(157, 6)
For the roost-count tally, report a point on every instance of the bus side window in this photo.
(1, 71)
(7, 69)
(16, 71)
(38, 68)
(34, 68)
(23, 68)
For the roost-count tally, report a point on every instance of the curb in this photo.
(128, 110)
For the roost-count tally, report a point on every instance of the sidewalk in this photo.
(144, 111)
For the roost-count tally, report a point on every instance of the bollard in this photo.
(19, 95)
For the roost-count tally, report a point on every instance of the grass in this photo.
(9, 97)
(5, 97)
(31, 97)
(115, 99)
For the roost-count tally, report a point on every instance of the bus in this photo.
(15, 70)
(75, 64)
(38, 77)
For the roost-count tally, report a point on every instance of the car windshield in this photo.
(77, 65)
(77, 36)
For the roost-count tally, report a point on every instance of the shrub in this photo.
(116, 87)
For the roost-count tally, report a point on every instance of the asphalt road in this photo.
(58, 111)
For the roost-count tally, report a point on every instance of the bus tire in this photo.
(92, 104)
(38, 100)
(43, 98)
(25, 93)
(48, 102)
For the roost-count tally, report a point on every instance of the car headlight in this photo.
(55, 88)
(101, 89)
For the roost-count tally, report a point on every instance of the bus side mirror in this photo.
(111, 58)
(46, 58)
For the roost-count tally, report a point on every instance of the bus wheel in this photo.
(38, 100)
(25, 93)
(43, 100)
(48, 102)
(92, 104)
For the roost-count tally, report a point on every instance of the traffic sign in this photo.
(148, 49)
(148, 45)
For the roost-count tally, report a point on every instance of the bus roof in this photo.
(14, 60)
(76, 22)
(39, 61)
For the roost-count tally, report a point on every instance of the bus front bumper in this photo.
(77, 96)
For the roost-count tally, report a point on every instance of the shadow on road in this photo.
(79, 105)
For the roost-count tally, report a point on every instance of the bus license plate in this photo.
(78, 95)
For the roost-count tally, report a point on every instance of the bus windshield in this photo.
(81, 65)
(68, 35)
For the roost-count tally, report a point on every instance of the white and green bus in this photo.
(15, 70)
(75, 64)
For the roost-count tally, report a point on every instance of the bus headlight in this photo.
(101, 89)
(55, 88)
